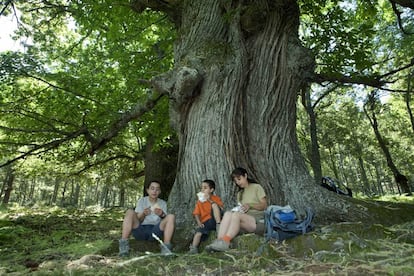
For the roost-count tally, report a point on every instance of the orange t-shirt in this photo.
(203, 209)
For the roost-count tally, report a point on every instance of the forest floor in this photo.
(57, 241)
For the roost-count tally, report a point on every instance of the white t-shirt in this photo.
(152, 218)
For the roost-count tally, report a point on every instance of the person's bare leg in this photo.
(248, 223)
(197, 239)
(216, 213)
(167, 225)
(225, 224)
(234, 225)
(130, 222)
(238, 221)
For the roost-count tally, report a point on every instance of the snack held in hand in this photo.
(201, 196)
(238, 208)
(155, 206)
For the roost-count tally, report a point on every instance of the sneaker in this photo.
(218, 245)
(193, 250)
(208, 247)
(166, 249)
(123, 248)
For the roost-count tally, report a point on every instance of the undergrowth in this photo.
(56, 241)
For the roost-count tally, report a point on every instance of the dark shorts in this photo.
(144, 232)
(209, 225)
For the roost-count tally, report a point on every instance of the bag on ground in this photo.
(281, 223)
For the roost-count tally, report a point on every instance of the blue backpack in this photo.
(281, 223)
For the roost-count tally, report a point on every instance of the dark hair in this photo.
(239, 171)
(152, 181)
(210, 183)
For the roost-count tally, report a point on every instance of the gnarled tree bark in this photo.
(239, 66)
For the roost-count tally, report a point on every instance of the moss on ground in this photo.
(57, 241)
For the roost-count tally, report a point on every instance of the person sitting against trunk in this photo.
(149, 217)
(207, 213)
(252, 203)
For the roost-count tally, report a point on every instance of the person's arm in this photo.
(212, 201)
(141, 210)
(197, 218)
(216, 200)
(261, 205)
(141, 216)
(162, 211)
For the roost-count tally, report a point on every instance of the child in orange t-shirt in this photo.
(207, 213)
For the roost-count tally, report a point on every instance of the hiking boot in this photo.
(193, 250)
(218, 245)
(166, 249)
(123, 248)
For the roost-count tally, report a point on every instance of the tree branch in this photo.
(37, 149)
(372, 81)
(404, 3)
(169, 7)
(155, 5)
(109, 159)
(398, 13)
(117, 126)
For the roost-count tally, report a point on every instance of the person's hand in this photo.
(201, 225)
(147, 211)
(245, 208)
(158, 211)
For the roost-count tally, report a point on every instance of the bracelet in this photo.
(163, 215)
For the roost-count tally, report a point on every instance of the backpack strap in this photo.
(306, 221)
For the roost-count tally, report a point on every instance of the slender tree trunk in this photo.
(8, 184)
(76, 194)
(63, 198)
(378, 187)
(97, 196)
(333, 163)
(315, 157)
(55, 190)
(31, 195)
(364, 178)
(122, 196)
(408, 100)
(400, 179)
(104, 195)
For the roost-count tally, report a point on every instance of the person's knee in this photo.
(130, 213)
(170, 219)
(227, 214)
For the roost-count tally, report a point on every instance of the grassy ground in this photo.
(54, 241)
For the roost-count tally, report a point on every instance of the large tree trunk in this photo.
(160, 165)
(239, 66)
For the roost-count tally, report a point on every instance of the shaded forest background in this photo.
(357, 127)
